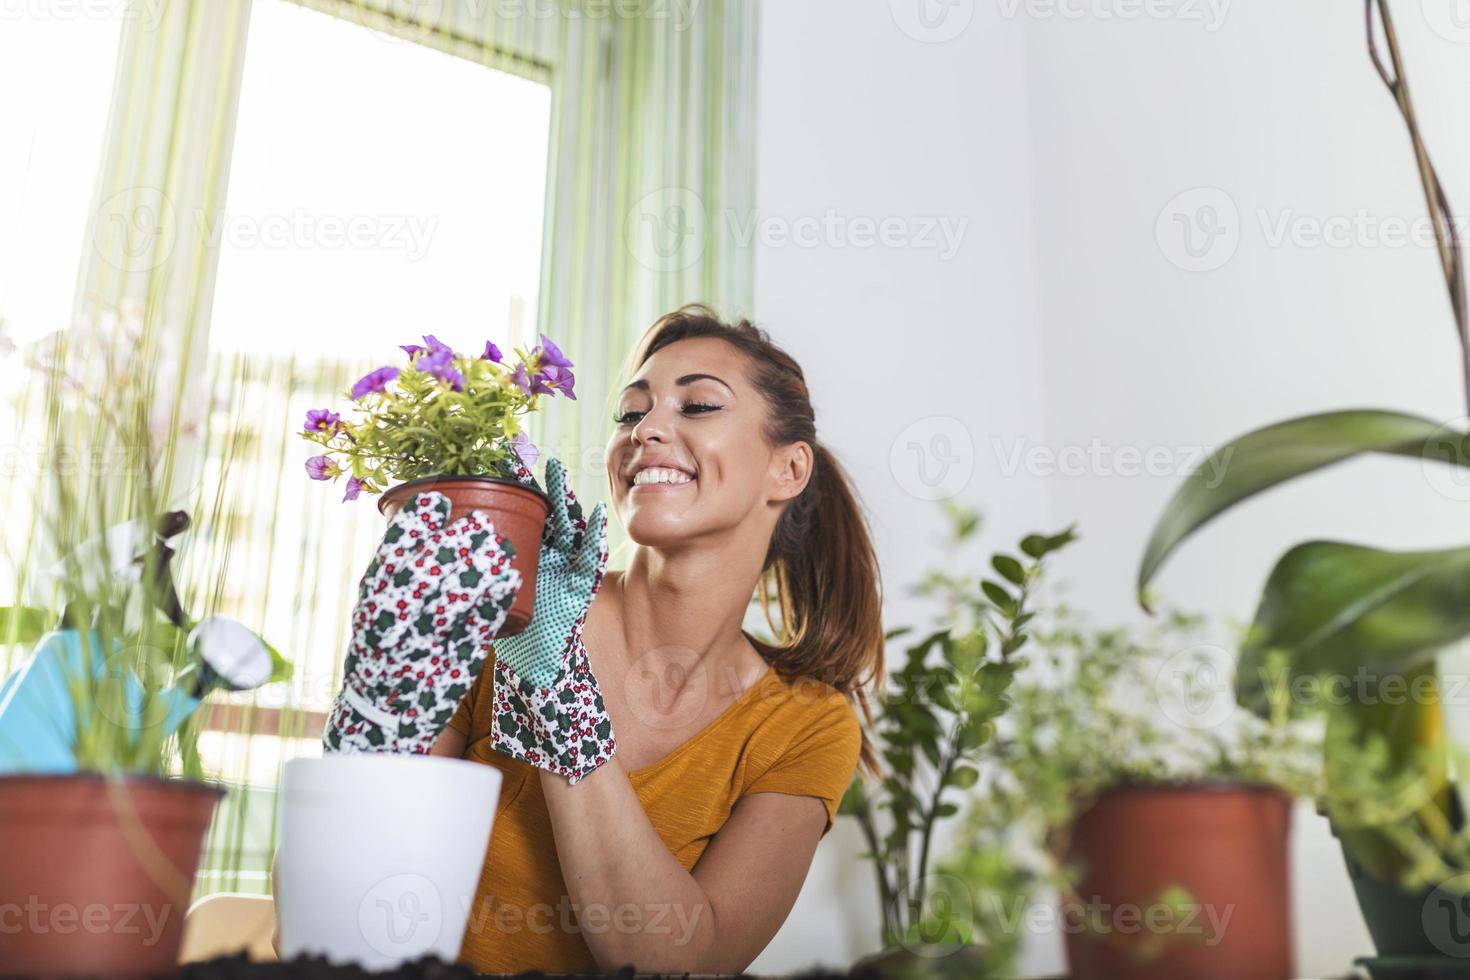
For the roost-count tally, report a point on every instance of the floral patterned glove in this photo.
(548, 708)
(432, 597)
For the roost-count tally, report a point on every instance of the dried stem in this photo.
(1446, 232)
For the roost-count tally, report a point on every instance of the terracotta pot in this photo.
(517, 511)
(97, 872)
(1224, 843)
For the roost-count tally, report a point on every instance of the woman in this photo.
(681, 841)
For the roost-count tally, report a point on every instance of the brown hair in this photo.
(820, 569)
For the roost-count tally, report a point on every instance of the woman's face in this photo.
(688, 456)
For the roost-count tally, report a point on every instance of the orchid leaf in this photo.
(1341, 610)
(1278, 453)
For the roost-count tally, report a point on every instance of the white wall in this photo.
(1064, 324)
(904, 343)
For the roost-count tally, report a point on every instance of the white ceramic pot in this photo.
(380, 855)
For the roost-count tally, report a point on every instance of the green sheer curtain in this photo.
(650, 172)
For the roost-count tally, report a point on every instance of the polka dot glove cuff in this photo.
(434, 594)
(548, 708)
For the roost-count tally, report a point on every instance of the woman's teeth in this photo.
(657, 474)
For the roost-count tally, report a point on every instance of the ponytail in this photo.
(820, 576)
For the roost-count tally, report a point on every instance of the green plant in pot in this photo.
(1353, 632)
(451, 423)
(102, 838)
(941, 709)
(1122, 781)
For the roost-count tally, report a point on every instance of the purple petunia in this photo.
(411, 350)
(373, 381)
(530, 384)
(322, 420)
(354, 487)
(559, 379)
(322, 468)
(551, 355)
(525, 449)
(440, 364)
(492, 353)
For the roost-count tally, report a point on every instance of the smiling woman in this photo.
(683, 847)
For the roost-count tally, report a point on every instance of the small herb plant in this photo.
(1098, 709)
(444, 414)
(941, 711)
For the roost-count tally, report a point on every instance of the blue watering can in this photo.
(41, 711)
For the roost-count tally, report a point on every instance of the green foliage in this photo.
(940, 711)
(420, 425)
(1096, 709)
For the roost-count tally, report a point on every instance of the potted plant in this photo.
(931, 727)
(1159, 819)
(452, 423)
(1341, 627)
(102, 836)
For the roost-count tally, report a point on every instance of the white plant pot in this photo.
(380, 855)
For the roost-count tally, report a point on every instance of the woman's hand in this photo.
(432, 597)
(548, 707)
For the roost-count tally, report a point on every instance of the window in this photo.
(378, 190)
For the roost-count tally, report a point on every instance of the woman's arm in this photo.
(637, 905)
(450, 743)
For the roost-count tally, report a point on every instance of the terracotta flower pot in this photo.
(1225, 844)
(97, 872)
(517, 511)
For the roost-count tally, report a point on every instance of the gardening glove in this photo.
(548, 707)
(434, 594)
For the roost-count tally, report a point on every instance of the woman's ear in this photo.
(792, 469)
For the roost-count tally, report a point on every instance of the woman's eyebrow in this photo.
(686, 379)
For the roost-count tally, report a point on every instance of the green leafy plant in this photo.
(940, 711)
(445, 414)
(1333, 609)
(110, 433)
(1100, 708)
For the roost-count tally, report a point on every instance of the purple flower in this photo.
(559, 379)
(410, 350)
(374, 381)
(525, 449)
(322, 420)
(354, 487)
(531, 384)
(551, 355)
(436, 345)
(492, 353)
(440, 364)
(322, 468)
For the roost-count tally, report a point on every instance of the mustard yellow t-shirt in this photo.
(779, 736)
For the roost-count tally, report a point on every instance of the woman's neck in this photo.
(686, 608)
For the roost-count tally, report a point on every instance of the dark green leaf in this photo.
(1338, 608)
(1277, 453)
(1009, 569)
